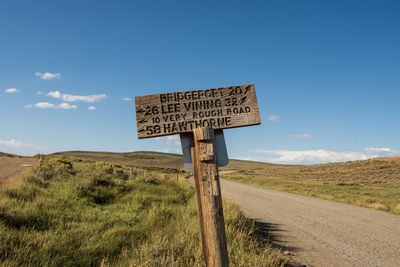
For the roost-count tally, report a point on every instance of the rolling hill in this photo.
(373, 183)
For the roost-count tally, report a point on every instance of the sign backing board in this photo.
(220, 147)
(179, 112)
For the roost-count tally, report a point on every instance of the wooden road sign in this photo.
(199, 116)
(180, 112)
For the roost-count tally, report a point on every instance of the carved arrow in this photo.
(243, 100)
(247, 89)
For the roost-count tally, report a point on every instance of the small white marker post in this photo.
(199, 117)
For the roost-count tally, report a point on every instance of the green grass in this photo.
(77, 213)
(371, 183)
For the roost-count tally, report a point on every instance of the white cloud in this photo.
(55, 94)
(48, 75)
(322, 155)
(173, 140)
(375, 149)
(91, 108)
(170, 140)
(126, 99)
(11, 90)
(74, 98)
(18, 147)
(47, 105)
(44, 105)
(301, 136)
(66, 106)
(12, 143)
(38, 93)
(17, 144)
(274, 118)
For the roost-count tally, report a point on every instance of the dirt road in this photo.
(318, 232)
(10, 167)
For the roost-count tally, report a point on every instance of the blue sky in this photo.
(327, 73)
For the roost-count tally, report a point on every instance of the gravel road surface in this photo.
(10, 167)
(318, 232)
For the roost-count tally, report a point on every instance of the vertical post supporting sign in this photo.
(200, 116)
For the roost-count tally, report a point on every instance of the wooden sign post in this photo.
(196, 115)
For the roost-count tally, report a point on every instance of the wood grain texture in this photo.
(209, 198)
(180, 112)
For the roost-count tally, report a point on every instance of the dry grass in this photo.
(397, 208)
(140, 158)
(378, 206)
(365, 183)
(76, 213)
(371, 183)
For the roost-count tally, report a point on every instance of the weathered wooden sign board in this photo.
(199, 117)
(180, 112)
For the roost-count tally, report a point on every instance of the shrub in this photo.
(64, 163)
(22, 193)
(25, 218)
(149, 180)
(45, 172)
(98, 187)
(120, 174)
(54, 169)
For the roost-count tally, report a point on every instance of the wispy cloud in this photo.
(321, 155)
(66, 106)
(301, 136)
(91, 108)
(11, 90)
(173, 140)
(17, 144)
(38, 93)
(48, 75)
(74, 98)
(47, 105)
(18, 147)
(14, 143)
(126, 99)
(274, 118)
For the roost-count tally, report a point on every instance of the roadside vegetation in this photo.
(371, 183)
(2, 154)
(73, 212)
(138, 158)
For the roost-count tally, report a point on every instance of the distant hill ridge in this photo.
(150, 159)
(2, 154)
(172, 160)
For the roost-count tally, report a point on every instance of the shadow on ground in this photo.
(270, 233)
